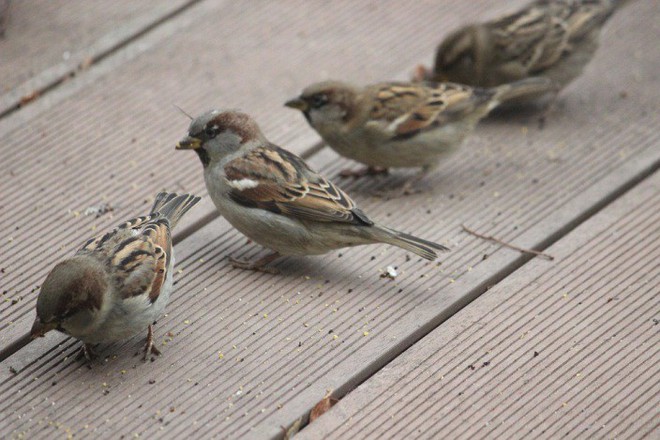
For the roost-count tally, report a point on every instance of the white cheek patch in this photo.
(243, 184)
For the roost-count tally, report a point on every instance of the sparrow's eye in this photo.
(212, 131)
(318, 101)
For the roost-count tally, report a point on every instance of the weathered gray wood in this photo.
(108, 136)
(512, 180)
(558, 349)
(47, 41)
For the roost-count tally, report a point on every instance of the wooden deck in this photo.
(490, 343)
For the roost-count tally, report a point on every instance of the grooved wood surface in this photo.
(246, 353)
(559, 349)
(46, 40)
(112, 141)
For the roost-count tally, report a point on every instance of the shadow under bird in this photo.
(400, 124)
(118, 283)
(274, 198)
(554, 39)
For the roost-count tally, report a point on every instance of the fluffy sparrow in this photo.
(397, 124)
(273, 197)
(555, 39)
(118, 283)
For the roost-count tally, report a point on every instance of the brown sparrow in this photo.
(398, 124)
(118, 283)
(273, 197)
(555, 39)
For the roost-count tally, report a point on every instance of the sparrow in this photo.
(118, 283)
(274, 198)
(555, 39)
(401, 124)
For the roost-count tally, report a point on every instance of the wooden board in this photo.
(513, 179)
(46, 42)
(108, 136)
(559, 349)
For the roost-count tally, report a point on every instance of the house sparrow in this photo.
(118, 283)
(273, 197)
(555, 39)
(398, 124)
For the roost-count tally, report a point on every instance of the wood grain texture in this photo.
(111, 140)
(246, 353)
(555, 350)
(46, 42)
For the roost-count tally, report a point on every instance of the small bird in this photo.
(273, 197)
(555, 39)
(400, 124)
(118, 283)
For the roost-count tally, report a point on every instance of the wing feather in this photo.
(137, 254)
(406, 109)
(278, 181)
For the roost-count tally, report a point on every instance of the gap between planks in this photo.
(16, 345)
(487, 284)
(46, 83)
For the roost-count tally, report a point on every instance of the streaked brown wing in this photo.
(412, 108)
(137, 253)
(118, 234)
(278, 181)
(528, 39)
(545, 30)
(587, 16)
(158, 234)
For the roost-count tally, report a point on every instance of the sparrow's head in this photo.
(327, 103)
(70, 298)
(217, 133)
(459, 57)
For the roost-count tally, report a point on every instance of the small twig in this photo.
(510, 246)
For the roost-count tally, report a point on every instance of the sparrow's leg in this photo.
(365, 171)
(149, 347)
(421, 73)
(408, 188)
(548, 107)
(259, 265)
(86, 352)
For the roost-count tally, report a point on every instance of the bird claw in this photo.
(149, 347)
(407, 189)
(260, 265)
(420, 73)
(87, 353)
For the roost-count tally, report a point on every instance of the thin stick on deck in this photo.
(505, 244)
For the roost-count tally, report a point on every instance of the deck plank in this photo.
(46, 41)
(513, 180)
(566, 349)
(101, 130)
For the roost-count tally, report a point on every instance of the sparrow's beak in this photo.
(189, 143)
(40, 329)
(298, 103)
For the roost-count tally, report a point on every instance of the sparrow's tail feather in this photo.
(423, 248)
(528, 87)
(174, 206)
(161, 199)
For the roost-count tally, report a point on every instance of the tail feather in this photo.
(174, 206)
(161, 199)
(528, 87)
(424, 248)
